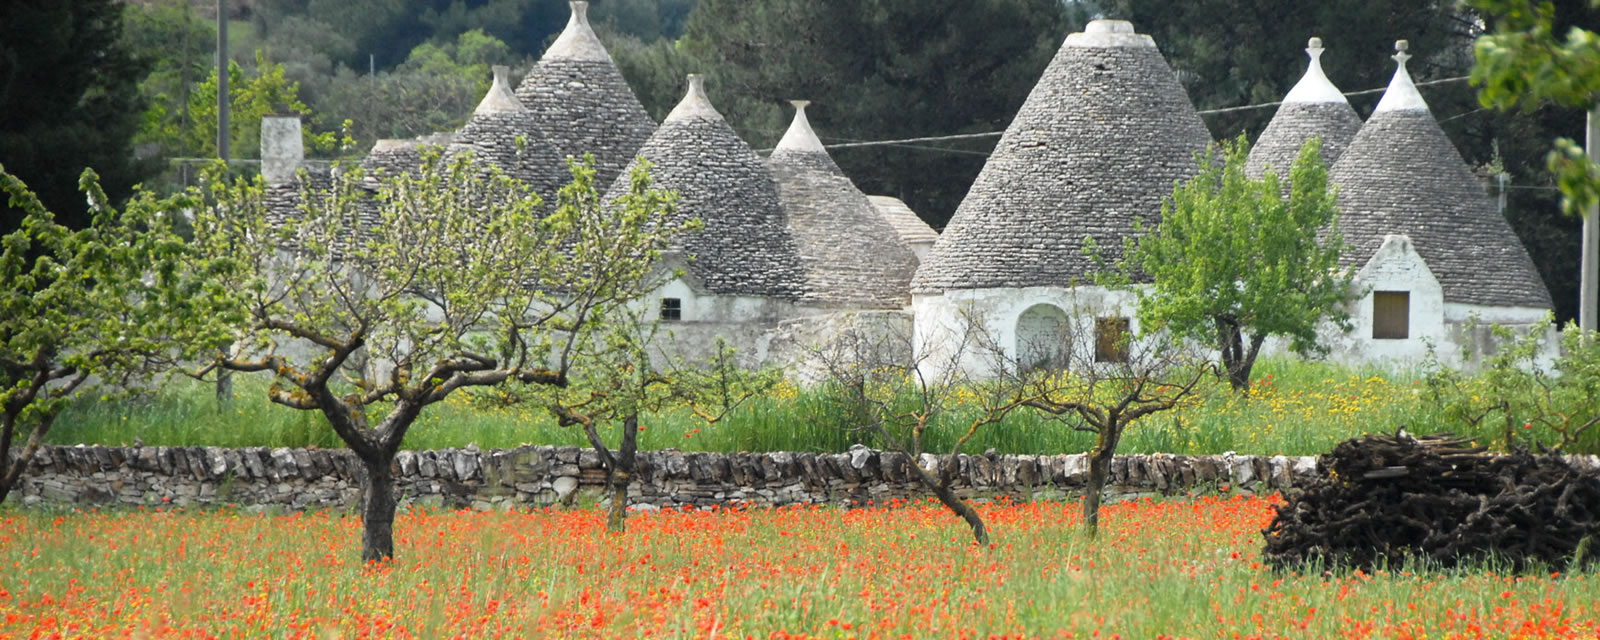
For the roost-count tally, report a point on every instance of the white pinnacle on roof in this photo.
(800, 137)
(1402, 93)
(695, 103)
(1314, 86)
(578, 41)
(500, 97)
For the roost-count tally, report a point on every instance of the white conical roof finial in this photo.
(1314, 86)
(578, 41)
(800, 137)
(500, 97)
(1402, 93)
(695, 103)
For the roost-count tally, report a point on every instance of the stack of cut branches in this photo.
(1382, 499)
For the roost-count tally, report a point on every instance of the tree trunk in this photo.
(11, 472)
(954, 503)
(1099, 471)
(622, 469)
(941, 489)
(377, 511)
(616, 520)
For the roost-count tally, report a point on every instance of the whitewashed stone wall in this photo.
(940, 324)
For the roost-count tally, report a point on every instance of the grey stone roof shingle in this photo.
(745, 247)
(911, 228)
(851, 255)
(1401, 175)
(1101, 140)
(1314, 107)
(582, 103)
(492, 134)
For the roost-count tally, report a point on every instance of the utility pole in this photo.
(222, 81)
(224, 99)
(1591, 235)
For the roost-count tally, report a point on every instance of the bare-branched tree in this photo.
(882, 387)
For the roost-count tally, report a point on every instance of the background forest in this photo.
(128, 87)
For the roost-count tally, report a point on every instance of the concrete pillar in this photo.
(282, 149)
(1591, 236)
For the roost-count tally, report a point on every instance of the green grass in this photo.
(1296, 408)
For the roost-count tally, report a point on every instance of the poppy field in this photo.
(1184, 568)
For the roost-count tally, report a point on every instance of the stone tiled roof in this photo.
(581, 102)
(493, 133)
(1401, 175)
(851, 254)
(1101, 140)
(1313, 108)
(745, 247)
(911, 228)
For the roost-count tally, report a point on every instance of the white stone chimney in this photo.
(282, 148)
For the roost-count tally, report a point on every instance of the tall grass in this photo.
(1295, 408)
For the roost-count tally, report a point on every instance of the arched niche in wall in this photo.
(1043, 341)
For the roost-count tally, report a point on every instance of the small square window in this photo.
(671, 309)
(1111, 339)
(1391, 315)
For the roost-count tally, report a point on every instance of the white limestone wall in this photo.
(940, 325)
(1396, 266)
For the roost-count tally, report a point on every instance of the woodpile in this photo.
(1384, 499)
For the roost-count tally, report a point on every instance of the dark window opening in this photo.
(1391, 315)
(1111, 339)
(671, 309)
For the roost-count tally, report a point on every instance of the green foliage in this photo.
(69, 92)
(1527, 401)
(1234, 261)
(1524, 62)
(264, 92)
(80, 309)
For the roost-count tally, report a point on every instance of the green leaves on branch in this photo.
(1523, 63)
(1237, 259)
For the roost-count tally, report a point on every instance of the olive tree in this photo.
(627, 371)
(906, 398)
(1104, 385)
(1233, 261)
(80, 311)
(453, 277)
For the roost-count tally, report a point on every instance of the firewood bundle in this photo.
(1383, 499)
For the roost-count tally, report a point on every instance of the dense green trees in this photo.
(69, 89)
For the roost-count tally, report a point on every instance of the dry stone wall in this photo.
(534, 476)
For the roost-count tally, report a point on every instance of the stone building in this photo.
(502, 133)
(1314, 108)
(1430, 247)
(1097, 145)
(852, 256)
(914, 233)
(741, 272)
(581, 102)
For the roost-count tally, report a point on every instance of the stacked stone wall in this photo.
(537, 476)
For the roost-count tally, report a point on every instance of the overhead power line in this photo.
(908, 143)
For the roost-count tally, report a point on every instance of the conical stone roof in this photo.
(1401, 175)
(581, 102)
(745, 247)
(850, 253)
(1100, 141)
(1313, 108)
(911, 228)
(492, 134)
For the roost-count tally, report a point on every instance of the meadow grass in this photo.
(1159, 569)
(1295, 408)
